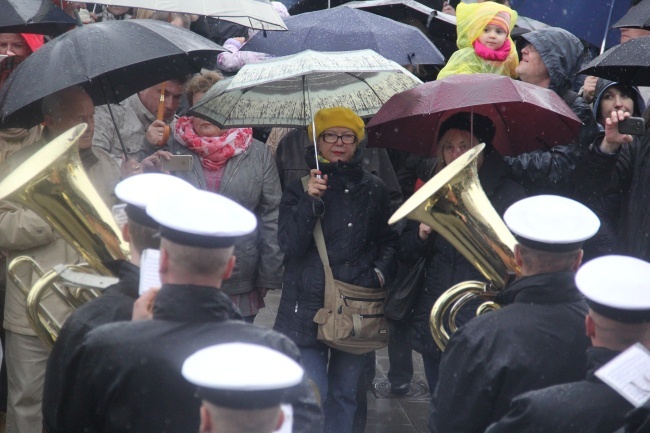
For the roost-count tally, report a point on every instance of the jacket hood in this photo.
(602, 85)
(561, 52)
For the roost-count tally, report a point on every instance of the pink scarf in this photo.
(214, 152)
(489, 54)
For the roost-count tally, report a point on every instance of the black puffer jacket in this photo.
(445, 265)
(355, 210)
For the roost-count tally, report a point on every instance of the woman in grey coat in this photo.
(230, 162)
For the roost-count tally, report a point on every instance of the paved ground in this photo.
(386, 413)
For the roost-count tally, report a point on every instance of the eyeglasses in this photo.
(333, 138)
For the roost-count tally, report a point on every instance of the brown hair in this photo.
(201, 83)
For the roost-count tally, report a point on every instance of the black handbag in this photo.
(404, 294)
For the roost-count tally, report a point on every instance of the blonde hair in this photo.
(201, 83)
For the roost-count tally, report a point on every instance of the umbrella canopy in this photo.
(628, 63)
(526, 117)
(286, 91)
(255, 14)
(637, 17)
(587, 19)
(346, 29)
(112, 60)
(399, 10)
(40, 17)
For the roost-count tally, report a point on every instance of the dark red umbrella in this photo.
(527, 117)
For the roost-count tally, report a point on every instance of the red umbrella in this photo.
(526, 117)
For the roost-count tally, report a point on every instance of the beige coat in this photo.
(14, 139)
(22, 232)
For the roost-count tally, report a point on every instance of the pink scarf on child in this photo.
(489, 54)
(214, 152)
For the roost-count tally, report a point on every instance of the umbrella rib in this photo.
(368, 85)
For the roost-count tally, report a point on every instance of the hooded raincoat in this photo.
(471, 19)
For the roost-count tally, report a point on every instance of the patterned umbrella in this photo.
(287, 91)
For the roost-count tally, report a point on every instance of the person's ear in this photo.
(126, 234)
(281, 418)
(518, 257)
(590, 326)
(163, 266)
(227, 273)
(578, 261)
(206, 420)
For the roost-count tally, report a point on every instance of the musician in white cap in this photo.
(127, 375)
(537, 339)
(618, 295)
(116, 302)
(242, 387)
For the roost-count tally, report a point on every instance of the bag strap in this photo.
(330, 293)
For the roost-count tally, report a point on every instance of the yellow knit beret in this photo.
(337, 117)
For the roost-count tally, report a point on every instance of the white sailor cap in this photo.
(138, 191)
(201, 219)
(551, 223)
(243, 375)
(617, 287)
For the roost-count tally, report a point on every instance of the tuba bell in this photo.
(454, 205)
(53, 184)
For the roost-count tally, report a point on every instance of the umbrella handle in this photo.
(160, 115)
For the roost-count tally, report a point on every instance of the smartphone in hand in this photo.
(632, 126)
(177, 163)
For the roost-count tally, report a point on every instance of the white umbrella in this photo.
(255, 14)
(287, 91)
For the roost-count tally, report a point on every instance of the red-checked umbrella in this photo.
(526, 117)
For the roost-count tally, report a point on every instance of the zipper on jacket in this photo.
(295, 310)
(245, 154)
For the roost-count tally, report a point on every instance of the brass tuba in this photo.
(454, 204)
(53, 184)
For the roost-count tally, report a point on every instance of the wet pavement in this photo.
(386, 413)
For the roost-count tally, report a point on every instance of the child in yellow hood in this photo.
(484, 43)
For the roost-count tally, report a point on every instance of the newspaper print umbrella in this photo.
(287, 91)
(255, 14)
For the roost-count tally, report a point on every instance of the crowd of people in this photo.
(242, 218)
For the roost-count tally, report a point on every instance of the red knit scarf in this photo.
(214, 152)
(489, 54)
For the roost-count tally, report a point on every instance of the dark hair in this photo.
(483, 130)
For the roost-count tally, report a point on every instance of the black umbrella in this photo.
(628, 63)
(637, 17)
(110, 60)
(347, 29)
(33, 16)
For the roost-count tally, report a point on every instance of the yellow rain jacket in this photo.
(471, 19)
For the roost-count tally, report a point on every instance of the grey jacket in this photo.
(250, 179)
(133, 119)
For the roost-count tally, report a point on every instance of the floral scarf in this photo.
(489, 54)
(214, 152)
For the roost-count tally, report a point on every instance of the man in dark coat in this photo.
(127, 376)
(537, 339)
(619, 316)
(116, 302)
(551, 59)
